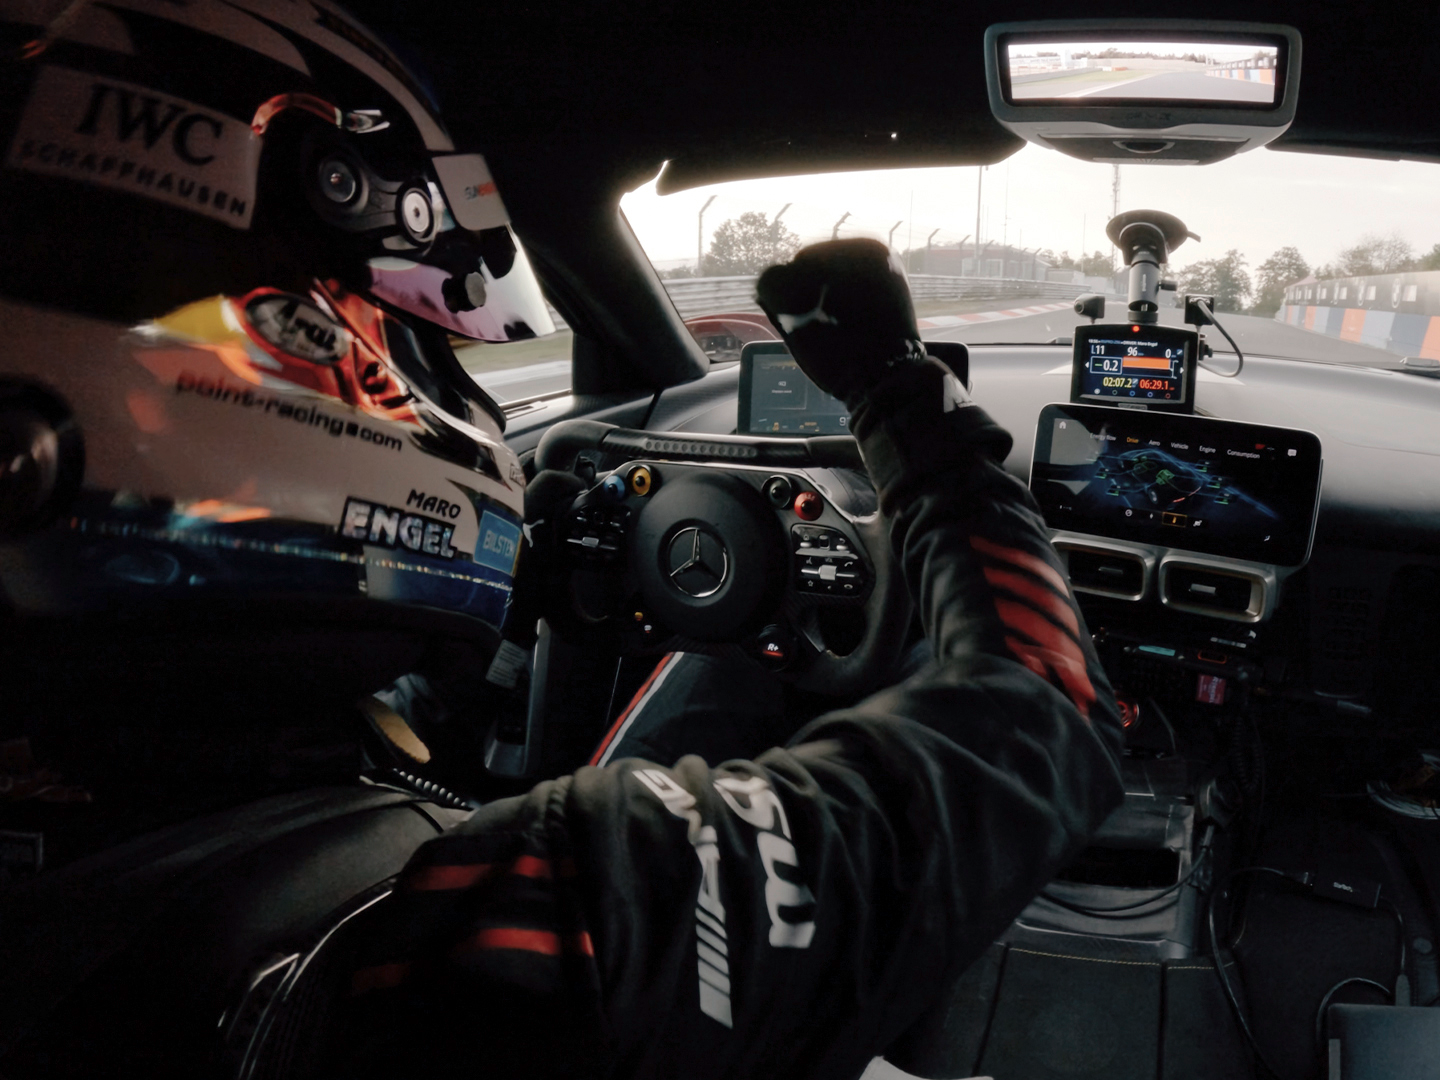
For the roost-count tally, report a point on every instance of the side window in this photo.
(520, 370)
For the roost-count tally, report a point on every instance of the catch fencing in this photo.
(714, 295)
(702, 296)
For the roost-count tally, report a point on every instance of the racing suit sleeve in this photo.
(793, 915)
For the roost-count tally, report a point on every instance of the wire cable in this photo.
(1223, 975)
(1239, 356)
(1165, 720)
(1118, 912)
(1321, 1018)
(1402, 980)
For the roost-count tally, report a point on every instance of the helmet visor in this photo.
(474, 279)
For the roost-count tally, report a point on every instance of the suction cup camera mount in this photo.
(1145, 239)
(1137, 364)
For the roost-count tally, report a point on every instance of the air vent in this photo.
(1208, 591)
(1108, 573)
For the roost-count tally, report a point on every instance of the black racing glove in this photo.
(843, 307)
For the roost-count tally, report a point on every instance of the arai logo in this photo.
(297, 327)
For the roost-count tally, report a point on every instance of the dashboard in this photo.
(1355, 628)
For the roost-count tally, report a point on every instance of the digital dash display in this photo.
(1128, 364)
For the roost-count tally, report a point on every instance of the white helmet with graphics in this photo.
(237, 240)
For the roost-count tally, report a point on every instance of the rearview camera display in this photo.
(1094, 72)
(1243, 491)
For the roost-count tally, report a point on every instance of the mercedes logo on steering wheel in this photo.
(698, 562)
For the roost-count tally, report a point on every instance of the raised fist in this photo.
(843, 307)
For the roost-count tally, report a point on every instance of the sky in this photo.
(1255, 202)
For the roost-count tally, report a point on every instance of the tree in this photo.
(1285, 267)
(1225, 278)
(748, 244)
(1430, 260)
(1375, 254)
(1097, 265)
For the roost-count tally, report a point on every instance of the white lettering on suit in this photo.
(763, 810)
(711, 953)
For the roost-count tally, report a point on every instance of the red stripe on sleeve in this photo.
(544, 942)
(1024, 619)
(426, 878)
(1057, 667)
(581, 944)
(532, 867)
(620, 720)
(513, 937)
(380, 977)
(1023, 559)
(1041, 597)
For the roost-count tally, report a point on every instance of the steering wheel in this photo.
(729, 544)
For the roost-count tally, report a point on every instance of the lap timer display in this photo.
(1129, 364)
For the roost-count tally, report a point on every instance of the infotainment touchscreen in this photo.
(1191, 482)
(776, 398)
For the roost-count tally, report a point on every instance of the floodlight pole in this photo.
(927, 250)
(979, 186)
(775, 223)
(835, 232)
(1114, 209)
(890, 240)
(700, 236)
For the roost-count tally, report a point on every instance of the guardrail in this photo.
(703, 296)
(698, 296)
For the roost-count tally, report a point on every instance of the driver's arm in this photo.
(789, 916)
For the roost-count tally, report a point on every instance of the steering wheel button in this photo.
(809, 506)
(827, 572)
(613, 489)
(640, 480)
(778, 491)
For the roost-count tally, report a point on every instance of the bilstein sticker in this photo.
(119, 135)
(377, 524)
(499, 543)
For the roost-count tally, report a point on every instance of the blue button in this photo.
(613, 489)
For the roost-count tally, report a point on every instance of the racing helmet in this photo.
(237, 244)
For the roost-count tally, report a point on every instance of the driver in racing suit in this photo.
(792, 915)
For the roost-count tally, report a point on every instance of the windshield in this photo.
(1310, 257)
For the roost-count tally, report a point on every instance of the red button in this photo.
(1129, 712)
(809, 506)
